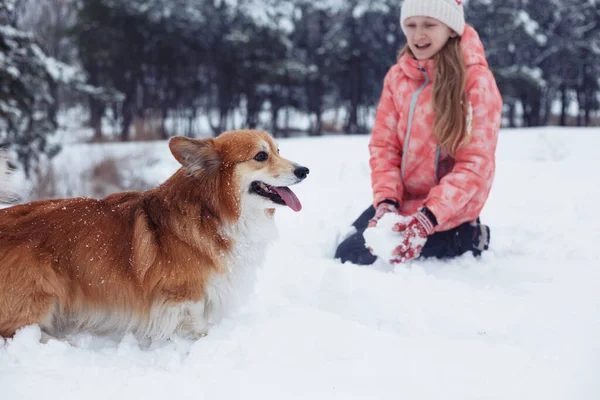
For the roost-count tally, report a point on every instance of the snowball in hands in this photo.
(382, 240)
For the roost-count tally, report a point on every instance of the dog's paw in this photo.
(45, 338)
(198, 335)
(193, 333)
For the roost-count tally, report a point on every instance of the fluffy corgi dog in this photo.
(171, 260)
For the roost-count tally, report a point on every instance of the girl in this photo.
(433, 141)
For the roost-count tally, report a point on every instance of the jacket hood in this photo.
(472, 49)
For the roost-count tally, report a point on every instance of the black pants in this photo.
(446, 244)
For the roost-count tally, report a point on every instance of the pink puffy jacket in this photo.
(407, 165)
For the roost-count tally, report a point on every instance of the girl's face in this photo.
(426, 36)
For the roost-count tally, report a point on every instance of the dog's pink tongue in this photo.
(289, 197)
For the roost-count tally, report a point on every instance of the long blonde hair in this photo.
(449, 96)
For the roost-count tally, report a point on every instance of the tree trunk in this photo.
(275, 107)
(536, 107)
(163, 123)
(588, 107)
(316, 128)
(252, 111)
(352, 123)
(564, 105)
(355, 79)
(580, 106)
(96, 112)
(316, 106)
(548, 99)
(127, 119)
(511, 115)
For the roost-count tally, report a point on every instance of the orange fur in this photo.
(126, 262)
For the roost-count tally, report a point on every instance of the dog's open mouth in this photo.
(277, 194)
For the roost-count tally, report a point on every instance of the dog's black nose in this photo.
(301, 172)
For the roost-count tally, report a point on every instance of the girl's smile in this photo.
(426, 36)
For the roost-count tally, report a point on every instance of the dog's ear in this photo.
(196, 155)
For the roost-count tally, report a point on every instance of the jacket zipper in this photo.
(413, 103)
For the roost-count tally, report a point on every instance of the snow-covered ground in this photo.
(522, 322)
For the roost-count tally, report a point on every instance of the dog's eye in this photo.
(261, 156)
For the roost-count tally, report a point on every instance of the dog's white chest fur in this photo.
(225, 291)
(251, 235)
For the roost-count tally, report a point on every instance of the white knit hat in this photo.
(450, 12)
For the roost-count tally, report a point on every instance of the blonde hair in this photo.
(449, 96)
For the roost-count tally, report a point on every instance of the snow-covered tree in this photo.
(25, 98)
(542, 51)
(512, 38)
(569, 57)
(219, 58)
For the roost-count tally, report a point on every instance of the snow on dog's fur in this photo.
(171, 260)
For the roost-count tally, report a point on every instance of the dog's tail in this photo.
(7, 191)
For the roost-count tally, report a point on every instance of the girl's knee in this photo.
(353, 250)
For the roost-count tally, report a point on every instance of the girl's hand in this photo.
(415, 230)
(383, 208)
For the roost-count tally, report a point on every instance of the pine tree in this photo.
(26, 120)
